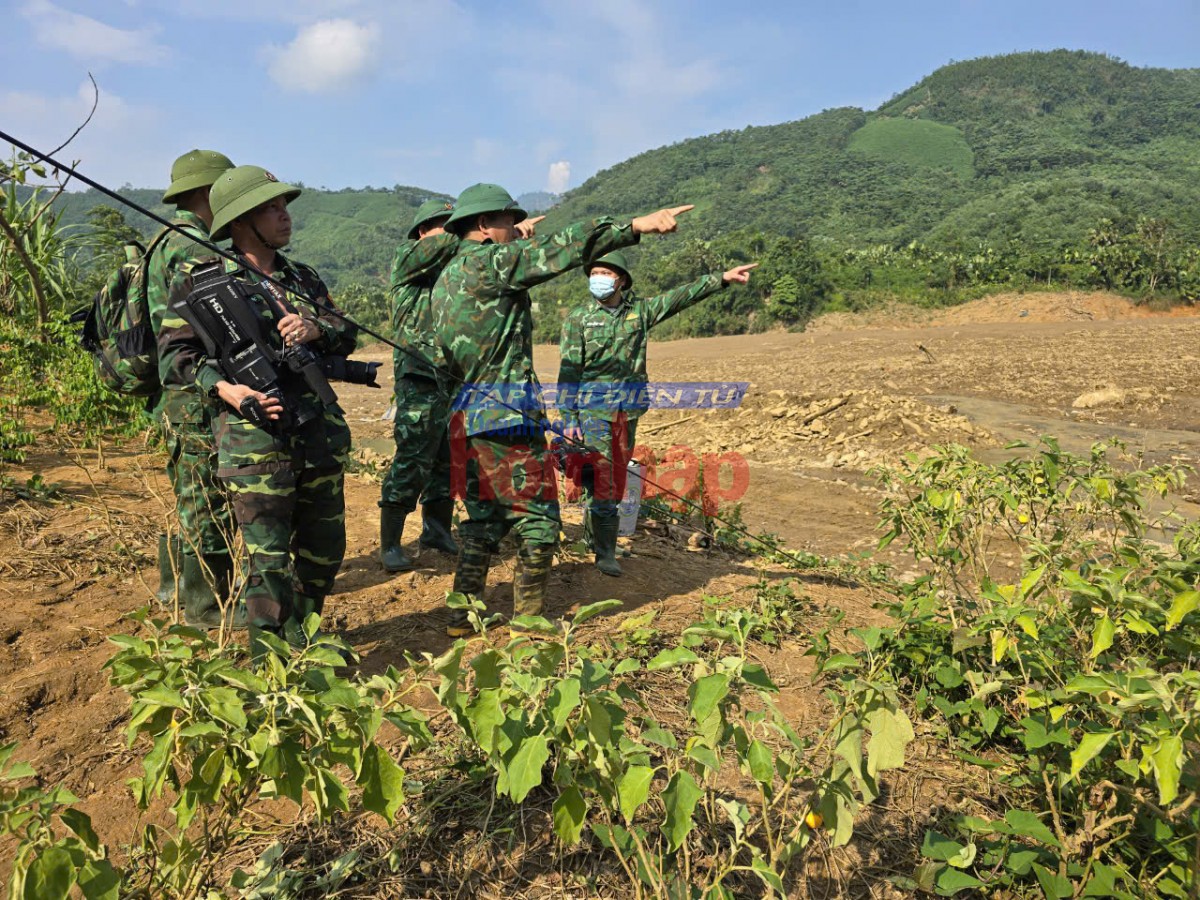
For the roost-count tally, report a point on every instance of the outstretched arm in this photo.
(675, 301)
(420, 260)
(524, 264)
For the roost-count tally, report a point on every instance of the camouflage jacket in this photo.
(184, 363)
(482, 316)
(414, 272)
(606, 348)
(178, 405)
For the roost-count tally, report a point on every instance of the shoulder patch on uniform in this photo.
(189, 265)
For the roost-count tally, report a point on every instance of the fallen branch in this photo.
(850, 437)
(824, 411)
(665, 425)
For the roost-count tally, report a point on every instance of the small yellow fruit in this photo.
(814, 820)
(1023, 519)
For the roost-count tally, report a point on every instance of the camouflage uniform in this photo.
(421, 467)
(484, 324)
(286, 489)
(195, 565)
(608, 347)
(186, 415)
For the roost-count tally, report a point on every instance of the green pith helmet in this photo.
(484, 198)
(430, 209)
(196, 169)
(615, 260)
(240, 190)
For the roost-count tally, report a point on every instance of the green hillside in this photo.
(1050, 142)
(916, 142)
(348, 235)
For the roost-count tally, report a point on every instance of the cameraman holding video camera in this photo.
(282, 453)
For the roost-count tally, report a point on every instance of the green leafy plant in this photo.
(222, 737)
(1054, 641)
(48, 864)
(550, 712)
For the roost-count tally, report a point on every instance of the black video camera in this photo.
(233, 335)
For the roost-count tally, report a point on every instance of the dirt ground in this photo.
(822, 408)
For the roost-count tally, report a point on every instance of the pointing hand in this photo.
(528, 227)
(661, 222)
(739, 274)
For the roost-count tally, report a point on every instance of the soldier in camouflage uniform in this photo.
(604, 347)
(286, 486)
(421, 466)
(484, 324)
(200, 554)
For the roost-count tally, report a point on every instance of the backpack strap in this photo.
(143, 288)
(158, 239)
(134, 251)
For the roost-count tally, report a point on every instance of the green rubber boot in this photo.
(170, 553)
(470, 577)
(204, 585)
(436, 520)
(391, 530)
(529, 583)
(604, 541)
(293, 626)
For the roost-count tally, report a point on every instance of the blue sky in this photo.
(532, 95)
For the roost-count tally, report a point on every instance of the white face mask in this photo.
(602, 286)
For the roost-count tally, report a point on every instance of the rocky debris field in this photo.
(856, 429)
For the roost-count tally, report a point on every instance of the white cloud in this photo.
(325, 56)
(558, 177)
(90, 38)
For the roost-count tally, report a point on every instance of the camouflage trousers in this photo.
(293, 522)
(507, 483)
(603, 472)
(288, 495)
(205, 520)
(420, 469)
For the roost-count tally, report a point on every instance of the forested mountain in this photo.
(348, 235)
(537, 201)
(1035, 146)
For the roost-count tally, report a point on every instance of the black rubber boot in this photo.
(203, 587)
(529, 583)
(293, 628)
(436, 520)
(604, 541)
(170, 553)
(391, 530)
(470, 578)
